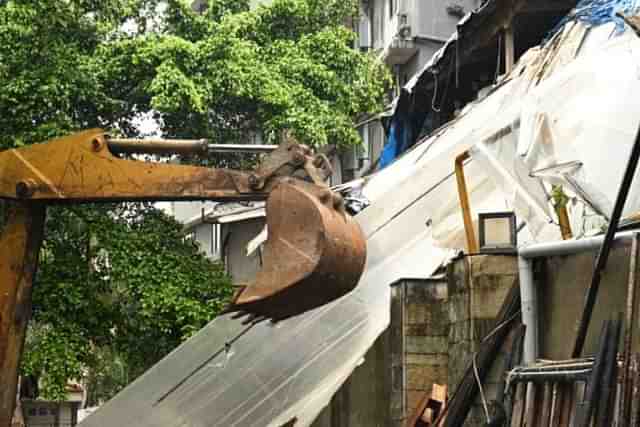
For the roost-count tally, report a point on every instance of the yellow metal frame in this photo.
(80, 167)
(463, 195)
(19, 249)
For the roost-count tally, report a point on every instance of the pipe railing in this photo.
(180, 146)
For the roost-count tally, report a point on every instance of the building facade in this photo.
(404, 34)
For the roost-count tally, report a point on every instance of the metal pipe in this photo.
(529, 301)
(156, 146)
(606, 401)
(180, 146)
(240, 148)
(583, 417)
(552, 376)
(463, 195)
(561, 367)
(430, 38)
(568, 362)
(570, 247)
(625, 400)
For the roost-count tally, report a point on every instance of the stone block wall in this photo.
(477, 288)
(419, 336)
(437, 325)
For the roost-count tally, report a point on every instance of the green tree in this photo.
(120, 279)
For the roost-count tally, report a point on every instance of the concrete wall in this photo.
(430, 19)
(207, 236)
(437, 325)
(419, 343)
(477, 289)
(562, 284)
(235, 237)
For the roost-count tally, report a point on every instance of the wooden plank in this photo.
(430, 407)
(575, 399)
(635, 389)
(630, 315)
(419, 411)
(547, 400)
(518, 406)
(513, 359)
(568, 404)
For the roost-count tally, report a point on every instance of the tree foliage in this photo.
(120, 279)
(221, 74)
(287, 66)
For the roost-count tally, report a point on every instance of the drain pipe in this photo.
(528, 288)
(529, 308)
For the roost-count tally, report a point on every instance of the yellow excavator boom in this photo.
(315, 252)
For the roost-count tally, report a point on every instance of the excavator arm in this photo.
(315, 252)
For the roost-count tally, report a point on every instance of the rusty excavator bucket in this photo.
(315, 253)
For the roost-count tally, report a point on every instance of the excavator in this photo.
(315, 252)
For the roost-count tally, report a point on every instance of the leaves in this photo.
(118, 286)
(120, 277)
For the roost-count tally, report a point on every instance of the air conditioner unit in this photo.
(404, 26)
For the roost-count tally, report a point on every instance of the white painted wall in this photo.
(208, 238)
(430, 18)
(236, 236)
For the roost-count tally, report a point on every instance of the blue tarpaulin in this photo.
(396, 145)
(598, 12)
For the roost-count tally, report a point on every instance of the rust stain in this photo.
(36, 172)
